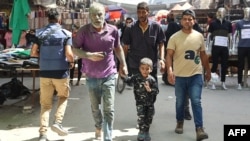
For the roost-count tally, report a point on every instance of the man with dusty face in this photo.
(221, 13)
(97, 15)
(247, 13)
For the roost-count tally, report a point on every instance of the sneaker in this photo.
(223, 85)
(59, 129)
(42, 138)
(213, 87)
(239, 87)
(147, 136)
(141, 136)
(98, 133)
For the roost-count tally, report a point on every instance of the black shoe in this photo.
(187, 115)
(42, 138)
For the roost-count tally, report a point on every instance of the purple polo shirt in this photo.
(88, 39)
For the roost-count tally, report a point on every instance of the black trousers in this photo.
(220, 55)
(79, 75)
(243, 52)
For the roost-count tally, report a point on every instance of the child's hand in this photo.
(147, 87)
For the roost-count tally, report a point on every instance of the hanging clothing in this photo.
(19, 19)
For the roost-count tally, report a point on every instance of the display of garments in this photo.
(19, 19)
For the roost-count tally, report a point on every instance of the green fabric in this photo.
(23, 54)
(19, 19)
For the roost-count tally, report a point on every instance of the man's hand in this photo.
(208, 75)
(171, 78)
(123, 71)
(71, 65)
(95, 56)
(147, 86)
(162, 66)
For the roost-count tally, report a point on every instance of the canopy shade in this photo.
(113, 8)
(162, 13)
(114, 12)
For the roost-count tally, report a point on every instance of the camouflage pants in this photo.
(145, 116)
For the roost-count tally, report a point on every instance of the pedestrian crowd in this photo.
(142, 47)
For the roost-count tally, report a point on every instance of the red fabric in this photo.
(114, 15)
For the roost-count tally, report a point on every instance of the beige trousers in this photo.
(47, 88)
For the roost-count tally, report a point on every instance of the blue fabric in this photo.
(53, 63)
(102, 89)
(192, 86)
(242, 24)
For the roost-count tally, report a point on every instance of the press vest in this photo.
(52, 49)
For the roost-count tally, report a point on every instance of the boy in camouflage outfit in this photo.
(145, 91)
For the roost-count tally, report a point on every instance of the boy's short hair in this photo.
(147, 61)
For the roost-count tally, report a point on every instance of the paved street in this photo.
(220, 107)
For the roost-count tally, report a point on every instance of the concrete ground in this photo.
(220, 107)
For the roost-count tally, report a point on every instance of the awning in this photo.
(114, 12)
(162, 14)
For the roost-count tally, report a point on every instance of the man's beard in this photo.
(98, 25)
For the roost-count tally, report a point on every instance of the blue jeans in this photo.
(102, 89)
(193, 86)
